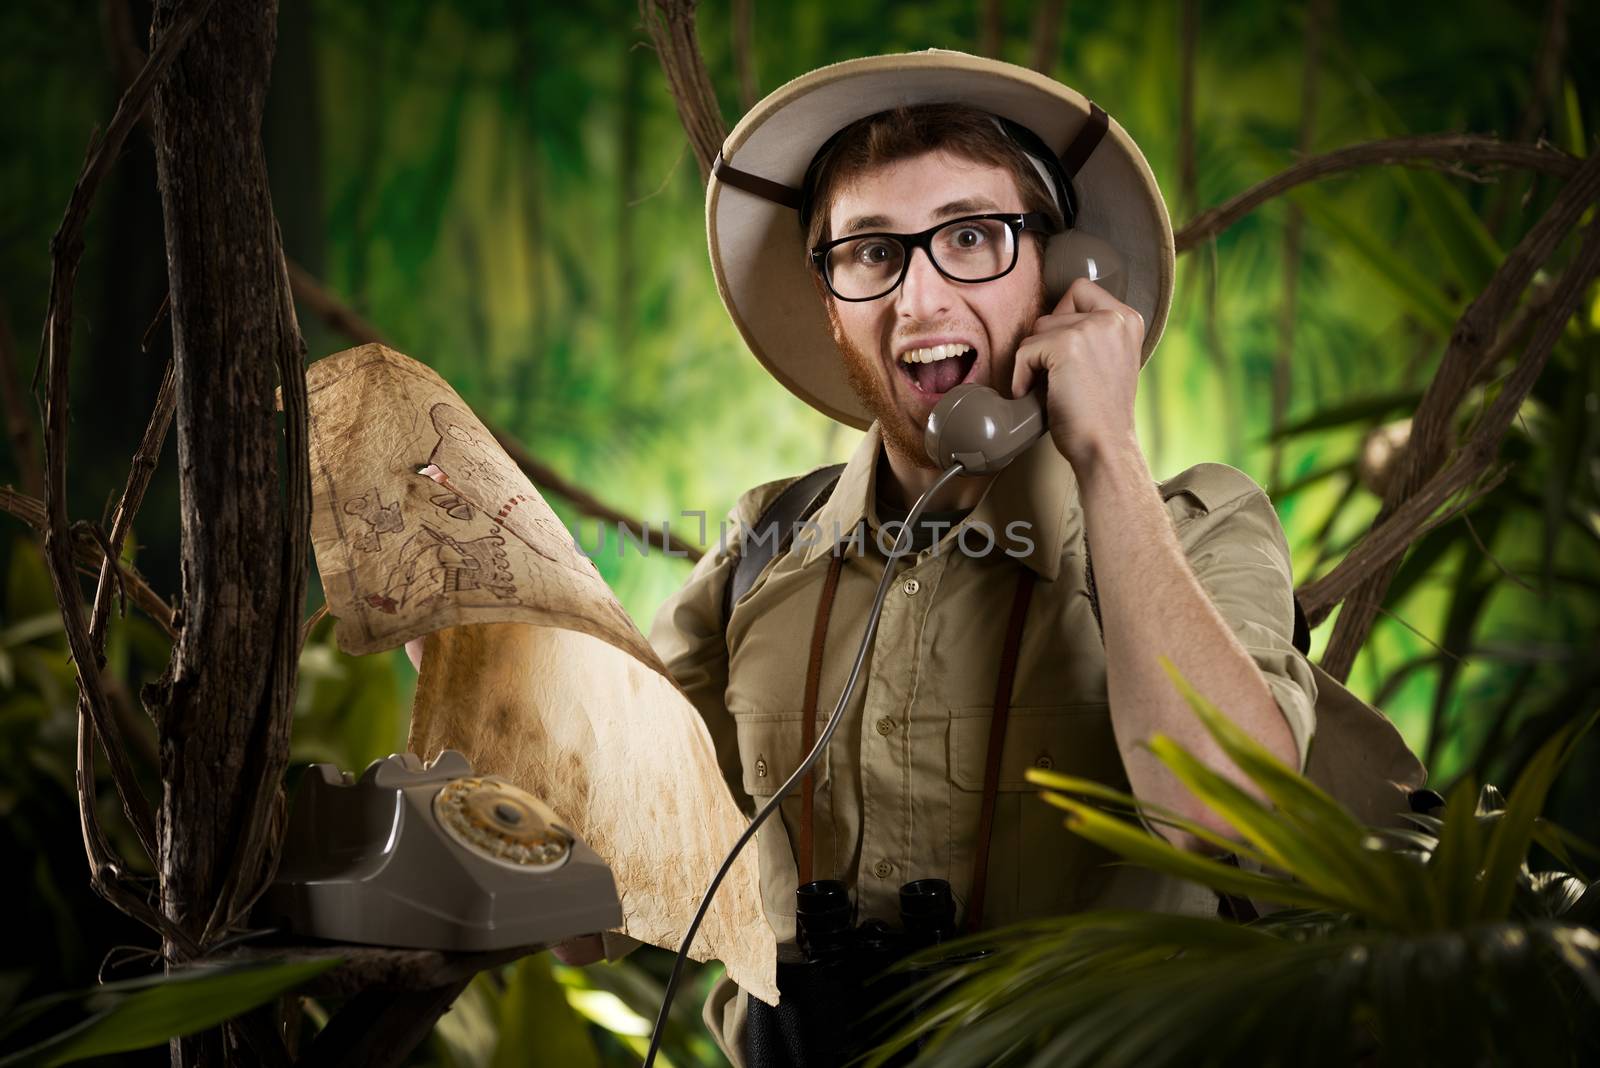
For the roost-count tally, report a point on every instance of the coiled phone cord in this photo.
(805, 765)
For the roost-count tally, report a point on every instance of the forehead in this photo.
(914, 193)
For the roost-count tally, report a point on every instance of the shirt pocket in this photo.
(769, 752)
(1036, 866)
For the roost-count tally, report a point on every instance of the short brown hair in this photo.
(907, 132)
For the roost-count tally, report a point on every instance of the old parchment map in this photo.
(422, 526)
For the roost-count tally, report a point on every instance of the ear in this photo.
(1072, 255)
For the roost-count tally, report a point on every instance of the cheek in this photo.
(854, 324)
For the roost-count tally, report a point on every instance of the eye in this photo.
(873, 253)
(965, 237)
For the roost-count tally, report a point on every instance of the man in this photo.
(852, 274)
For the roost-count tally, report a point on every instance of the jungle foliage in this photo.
(505, 192)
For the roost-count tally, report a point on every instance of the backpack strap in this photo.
(771, 534)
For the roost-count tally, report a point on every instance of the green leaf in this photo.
(1508, 844)
(1313, 859)
(535, 1016)
(1141, 847)
(147, 1012)
(1458, 859)
(1154, 813)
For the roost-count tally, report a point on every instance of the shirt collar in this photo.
(1038, 489)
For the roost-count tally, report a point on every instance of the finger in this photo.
(1087, 296)
(1030, 368)
(1058, 321)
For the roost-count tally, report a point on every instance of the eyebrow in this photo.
(964, 206)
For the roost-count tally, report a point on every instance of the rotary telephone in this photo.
(433, 856)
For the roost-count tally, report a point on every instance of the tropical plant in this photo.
(138, 1013)
(1423, 946)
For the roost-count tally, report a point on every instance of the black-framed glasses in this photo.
(973, 248)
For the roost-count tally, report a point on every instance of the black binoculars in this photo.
(831, 980)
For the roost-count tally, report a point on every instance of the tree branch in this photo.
(670, 24)
(1442, 151)
(101, 868)
(55, 359)
(88, 558)
(1363, 577)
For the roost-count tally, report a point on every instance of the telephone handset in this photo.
(976, 427)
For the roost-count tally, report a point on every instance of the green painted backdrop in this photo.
(505, 192)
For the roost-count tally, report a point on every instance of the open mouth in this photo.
(937, 370)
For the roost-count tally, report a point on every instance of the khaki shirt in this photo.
(899, 789)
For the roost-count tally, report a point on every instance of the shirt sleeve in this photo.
(1237, 550)
(689, 634)
(689, 637)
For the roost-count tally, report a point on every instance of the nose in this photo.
(924, 293)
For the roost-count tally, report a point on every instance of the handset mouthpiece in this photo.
(976, 427)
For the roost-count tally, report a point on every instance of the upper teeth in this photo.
(936, 352)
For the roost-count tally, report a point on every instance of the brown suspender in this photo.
(997, 731)
(997, 738)
(808, 715)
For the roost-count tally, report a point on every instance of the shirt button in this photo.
(911, 587)
(1044, 762)
(885, 725)
(761, 768)
(883, 869)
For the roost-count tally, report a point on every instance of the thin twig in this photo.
(112, 574)
(89, 558)
(1493, 559)
(156, 322)
(311, 621)
(139, 475)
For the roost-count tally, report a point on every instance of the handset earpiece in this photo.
(976, 427)
(1073, 254)
(1070, 254)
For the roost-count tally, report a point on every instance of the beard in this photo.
(902, 433)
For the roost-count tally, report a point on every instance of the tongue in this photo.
(940, 376)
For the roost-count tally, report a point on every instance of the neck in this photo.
(901, 481)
